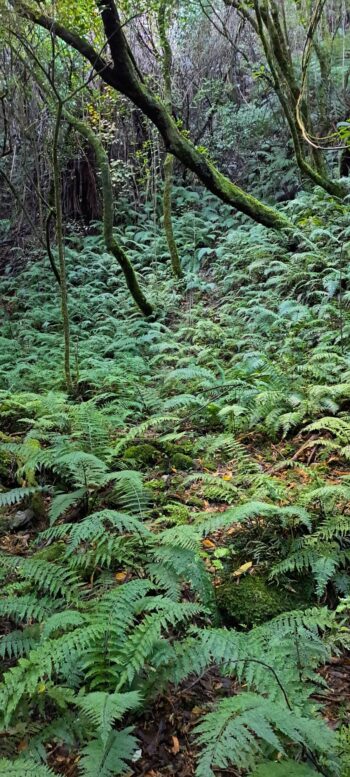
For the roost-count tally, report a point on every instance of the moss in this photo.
(157, 484)
(194, 500)
(5, 465)
(157, 487)
(142, 454)
(181, 461)
(252, 600)
(52, 553)
(38, 505)
(209, 464)
(178, 513)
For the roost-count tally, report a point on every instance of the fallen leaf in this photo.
(208, 544)
(176, 745)
(120, 576)
(242, 569)
(197, 711)
(233, 529)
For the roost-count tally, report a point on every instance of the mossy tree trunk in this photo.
(60, 249)
(266, 19)
(167, 209)
(169, 159)
(125, 77)
(108, 213)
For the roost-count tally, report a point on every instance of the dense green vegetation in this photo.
(175, 482)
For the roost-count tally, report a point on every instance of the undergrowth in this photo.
(200, 448)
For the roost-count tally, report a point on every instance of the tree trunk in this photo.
(108, 214)
(169, 159)
(60, 248)
(168, 224)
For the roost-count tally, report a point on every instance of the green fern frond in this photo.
(141, 430)
(18, 643)
(283, 769)
(108, 759)
(102, 709)
(233, 734)
(63, 502)
(16, 495)
(24, 767)
(56, 580)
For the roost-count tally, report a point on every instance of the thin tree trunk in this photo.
(169, 159)
(60, 248)
(264, 18)
(108, 213)
(168, 223)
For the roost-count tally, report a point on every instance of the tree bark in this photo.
(168, 223)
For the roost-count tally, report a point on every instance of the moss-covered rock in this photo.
(251, 600)
(181, 461)
(144, 454)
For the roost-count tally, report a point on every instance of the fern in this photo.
(18, 643)
(103, 709)
(17, 495)
(283, 769)
(55, 580)
(234, 733)
(24, 767)
(108, 759)
(63, 502)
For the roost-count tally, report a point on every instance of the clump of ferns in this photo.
(77, 479)
(326, 550)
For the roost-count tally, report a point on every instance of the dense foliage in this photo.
(202, 429)
(175, 486)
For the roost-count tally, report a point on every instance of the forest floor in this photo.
(217, 438)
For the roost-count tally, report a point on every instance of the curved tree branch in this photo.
(124, 77)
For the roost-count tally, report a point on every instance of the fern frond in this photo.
(56, 580)
(108, 759)
(24, 767)
(233, 734)
(63, 502)
(18, 643)
(284, 768)
(102, 709)
(16, 495)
